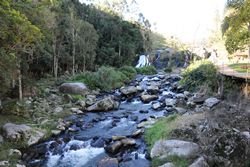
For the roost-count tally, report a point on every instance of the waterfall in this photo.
(143, 61)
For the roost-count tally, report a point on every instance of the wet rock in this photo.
(4, 163)
(148, 98)
(166, 148)
(99, 143)
(118, 137)
(74, 147)
(105, 104)
(108, 162)
(156, 105)
(200, 162)
(15, 132)
(143, 111)
(137, 133)
(169, 164)
(170, 102)
(133, 117)
(114, 147)
(210, 102)
(128, 91)
(153, 89)
(128, 142)
(147, 123)
(180, 110)
(90, 100)
(73, 88)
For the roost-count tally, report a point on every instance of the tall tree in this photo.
(236, 26)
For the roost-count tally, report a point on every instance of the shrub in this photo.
(168, 69)
(147, 70)
(128, 71)
(200, 74)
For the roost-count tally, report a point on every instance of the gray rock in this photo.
(137, 133)
(148, 98)
(156, 105)
(20, 165)
(180, 110)
(246, 134)
(76, 110)
(210, 102)
(55, 132)
(15, 132)
(15, 152)
(35, 137)
(180, 96)
(169, 164)
(74, 88)
(108, 162)
(130, 90)
(81, 103)
(170, 102)
(58, 109)
(166, 148)
(4, 163)
(128, 142)
(105, 104)
(118, 137)
(147, 123)
(90, 100)
(154, 89)
(114, 147)
(200, 162)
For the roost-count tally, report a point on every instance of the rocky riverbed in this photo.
(107, 129)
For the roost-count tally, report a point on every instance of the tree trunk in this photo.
(249, 43)
(20, 91)
(55, 59)
(73, 53)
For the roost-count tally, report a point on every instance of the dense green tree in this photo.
(236, 26)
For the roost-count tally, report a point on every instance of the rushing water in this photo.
(85, 147)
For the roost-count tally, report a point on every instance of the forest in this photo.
(40, 38)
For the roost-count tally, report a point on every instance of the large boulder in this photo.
(169, 164)
(106, 104)
(15, 132)
(153, 89)
(128, 91)
(166, 148)
(77, 88)
(148, 98)
(212, 101)
(23, 132)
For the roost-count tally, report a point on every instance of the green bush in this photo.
(128, 71)
(200, 74)
(147, 70)
(168, 69)
(108, 78)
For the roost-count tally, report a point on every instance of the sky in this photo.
(188, 20)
